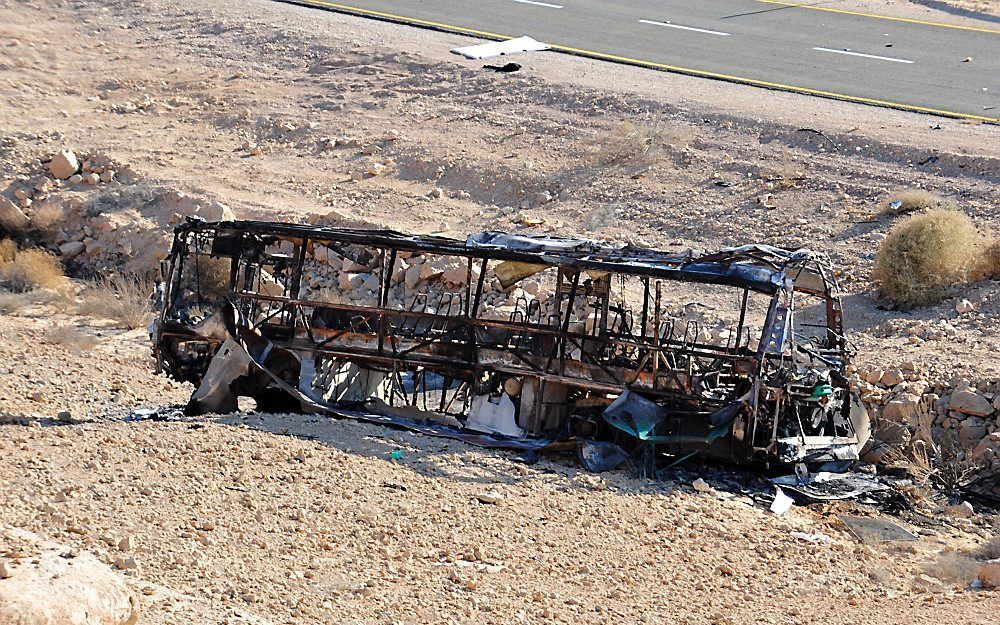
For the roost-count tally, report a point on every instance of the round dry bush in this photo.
(926, 254)
(991, 260)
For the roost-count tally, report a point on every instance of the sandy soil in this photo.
(296, 520)
(284, 520)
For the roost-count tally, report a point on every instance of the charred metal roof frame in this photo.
(761, 268)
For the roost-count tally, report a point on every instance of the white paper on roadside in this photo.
(782, 502)
(501, 48)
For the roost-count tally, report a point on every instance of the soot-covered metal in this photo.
(525, 342)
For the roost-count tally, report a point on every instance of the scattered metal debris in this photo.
(868, 530)
(507, 68)
(599, 348)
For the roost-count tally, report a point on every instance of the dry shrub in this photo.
(645, 145)
(46, 218)
(10, 303)
(788, 172)
(912, 201)
(207, 275)
(990, 261)
(953, 568)
(990, 550)
(124, 299)
(926, 254)
(32, 269)
(71, 338)
(8, 250)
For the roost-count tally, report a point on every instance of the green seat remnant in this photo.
(821, 390)
(639, 417)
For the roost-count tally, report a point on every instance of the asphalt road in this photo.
(818, 50)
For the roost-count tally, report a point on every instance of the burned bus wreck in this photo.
(526, 342)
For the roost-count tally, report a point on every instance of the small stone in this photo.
(126, 564)
(892, 378)
(701, 486)
(91, 178)
(5, 571)
(900, 410)
(107, 175)
(72, 249)
(65, 416)
(76, 179)
(127, 543)
(436, 192)
(963, 306)
(962, 510)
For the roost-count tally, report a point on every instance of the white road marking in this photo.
(867, 56)
(540, 4)
(697, 30)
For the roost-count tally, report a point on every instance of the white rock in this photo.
(216, 211)
(349, 281)
(353, 267)
(57, 590)
(701, 486)
(963, 306)
(490, 497)
(64, 164)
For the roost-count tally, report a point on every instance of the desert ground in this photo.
(270, 111)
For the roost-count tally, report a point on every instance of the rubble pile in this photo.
(969, 409)
(98, 213)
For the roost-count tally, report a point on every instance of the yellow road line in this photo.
(654, 65)
(908, 20)
(403, 18)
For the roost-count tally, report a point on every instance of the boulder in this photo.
(900, 410)
(972, 430)
(989, 574)
(12, 218)
(57, 586)
(64, 164)
(970, 403)
(216, 211)
(71, 249)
